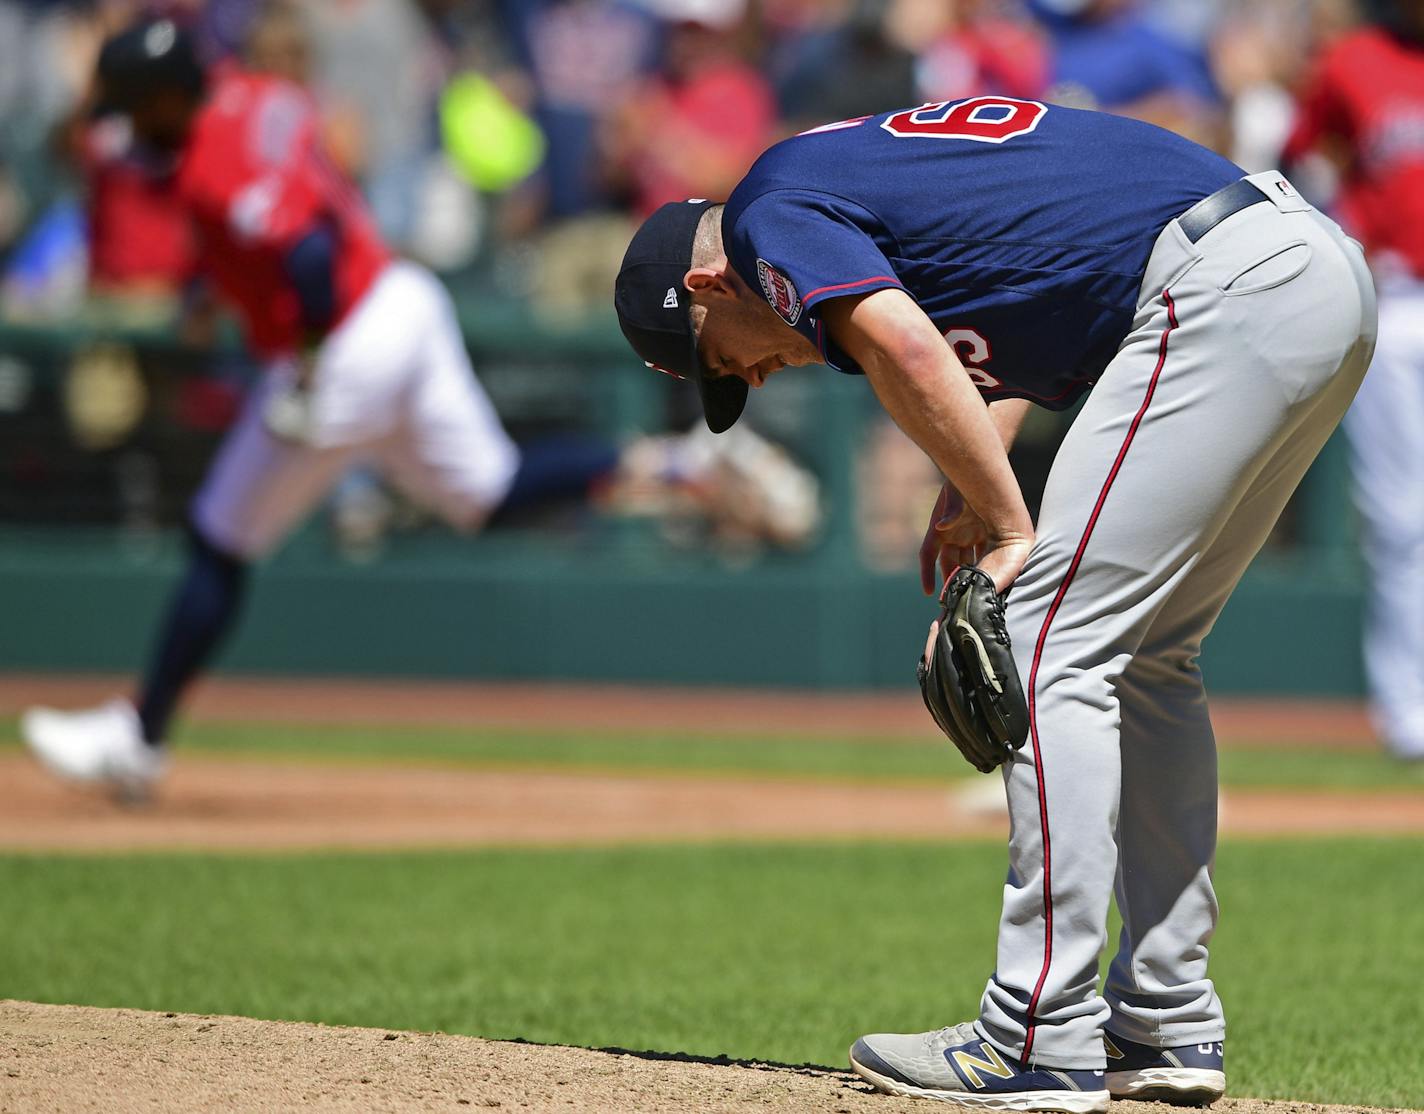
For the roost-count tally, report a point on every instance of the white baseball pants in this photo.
(392, 386)
(1386, 431)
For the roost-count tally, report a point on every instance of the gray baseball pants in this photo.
(1245, 352)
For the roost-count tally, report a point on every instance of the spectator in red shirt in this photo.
(139, 242)
(694, 128)
(965, 49)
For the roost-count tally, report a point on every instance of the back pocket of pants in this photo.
(1277, 267)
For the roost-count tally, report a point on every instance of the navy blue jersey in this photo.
(1021, 230)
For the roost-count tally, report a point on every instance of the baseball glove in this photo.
(967, 674)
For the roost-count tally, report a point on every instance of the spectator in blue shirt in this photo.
(1107, 54)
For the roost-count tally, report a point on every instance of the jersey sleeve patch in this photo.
(780, 291)
(802, 247)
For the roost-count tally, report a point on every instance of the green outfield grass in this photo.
(774, 952)
(928, 759)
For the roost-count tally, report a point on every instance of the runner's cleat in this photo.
(103, 746)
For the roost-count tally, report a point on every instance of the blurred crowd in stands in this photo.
(512, 145)
(525, 136)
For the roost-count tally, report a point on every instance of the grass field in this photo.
(772, 952)
(890, 759)
(781, 953)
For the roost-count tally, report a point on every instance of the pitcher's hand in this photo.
(955, 536)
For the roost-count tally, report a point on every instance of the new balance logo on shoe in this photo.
(970, 1065)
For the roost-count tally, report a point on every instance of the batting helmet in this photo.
(152, 55)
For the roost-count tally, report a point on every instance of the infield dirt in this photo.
(253, 803)
(245, 804)
(78, 1058)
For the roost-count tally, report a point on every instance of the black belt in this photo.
(1207, 213)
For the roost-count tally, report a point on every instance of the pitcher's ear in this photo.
(709, 281)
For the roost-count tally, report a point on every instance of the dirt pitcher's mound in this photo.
(76, 1058)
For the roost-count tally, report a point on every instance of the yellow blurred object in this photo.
(490, 141)
(104, 395)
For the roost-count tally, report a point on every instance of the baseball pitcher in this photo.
(972, 258)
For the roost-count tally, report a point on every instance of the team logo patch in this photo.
(780, 292)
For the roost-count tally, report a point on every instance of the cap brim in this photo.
(723, 400)
(724, 397)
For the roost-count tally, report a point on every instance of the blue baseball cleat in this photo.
(958, 1065)
(1191, 1075)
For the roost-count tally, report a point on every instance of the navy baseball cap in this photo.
(150, 55)
(654, 308)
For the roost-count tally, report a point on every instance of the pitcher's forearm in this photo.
(942, 413)
(923, 386)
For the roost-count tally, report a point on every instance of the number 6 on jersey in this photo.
(972, 348)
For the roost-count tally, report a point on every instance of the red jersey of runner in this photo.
(255, 180)
(1367, 93)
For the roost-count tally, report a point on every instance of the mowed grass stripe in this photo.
(884, 759)
(766, 952)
